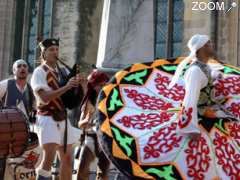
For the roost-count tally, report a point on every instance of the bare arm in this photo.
(86, 116)
(47, 96)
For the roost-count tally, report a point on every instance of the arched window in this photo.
(19, 30)
(47, 18)
(33, 20)
(32, 34)
(168, 28)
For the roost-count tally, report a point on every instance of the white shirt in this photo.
(195, 80)
(39, 81)
(3, 88)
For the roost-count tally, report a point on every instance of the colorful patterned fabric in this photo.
(139, 118)
(52, 81)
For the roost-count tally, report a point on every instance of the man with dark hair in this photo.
(53, 129)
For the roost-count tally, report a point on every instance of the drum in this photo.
(24, 166)
(13, 132)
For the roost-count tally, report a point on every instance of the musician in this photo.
(90, 147)
(18, 93)
(53, 128)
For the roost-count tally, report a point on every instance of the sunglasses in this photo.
(21, 65)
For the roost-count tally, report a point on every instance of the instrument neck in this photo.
(64, 64)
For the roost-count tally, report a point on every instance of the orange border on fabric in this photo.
(178, 60)
(234, 67)
(117, 152)
(102, 106)
(120, 75)
(107, 89)
(159, 62)
(169, 163)
(137, 67)
(105, 127)
(138, 171)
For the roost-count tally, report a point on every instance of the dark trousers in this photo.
(2, 168)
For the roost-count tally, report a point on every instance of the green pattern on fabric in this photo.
(228, 70)
(166, 173)
(124, 142)
(219, 126)
(169, 68)
(138, 77)
(115, 101)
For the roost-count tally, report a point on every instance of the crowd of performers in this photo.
(54, 131)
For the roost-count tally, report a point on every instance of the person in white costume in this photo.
(196, 78)
(51, 113)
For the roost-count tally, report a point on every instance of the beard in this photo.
(22, 76)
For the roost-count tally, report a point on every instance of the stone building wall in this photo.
(77, 24)
(222, 27)
(7, 13)
(127, 33)
(228, 36)
(195, 22)
(65, 19)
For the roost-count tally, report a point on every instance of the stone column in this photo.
(77, 24)
(127, 33)
(7, 14)
(65, 18)
(195, 22)
(228, 36)
(88, 36)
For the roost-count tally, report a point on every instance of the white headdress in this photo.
(17, 62)
(194, 44)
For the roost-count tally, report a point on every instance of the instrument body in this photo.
(24, 167)
(73, 97)
(14, 132)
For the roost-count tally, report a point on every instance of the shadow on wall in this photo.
(86, 10)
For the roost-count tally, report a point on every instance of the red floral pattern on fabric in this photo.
(227, 86)
(147, 102)
(145, 121)
(162, 142)
(234, 108)
(176, 93)
(185, 117)
(227, 157)
(234, 132)
(197, 158)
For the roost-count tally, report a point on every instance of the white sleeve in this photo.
(39, 80)
(216, 70)
(195, 80)
(3, 88)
